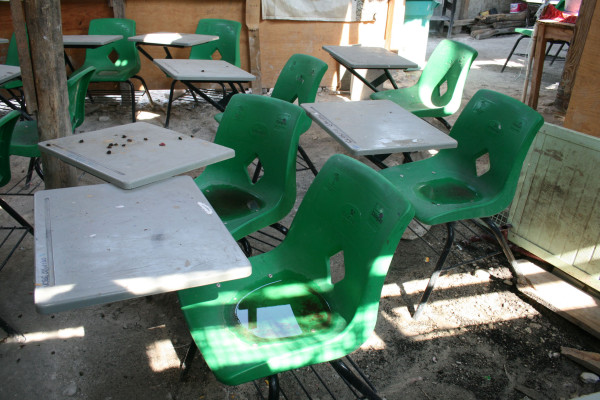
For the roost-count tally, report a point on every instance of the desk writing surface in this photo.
(89, 40)
(3, 40)
(8, 72)
(359, 57)
(203, 70)
(373, 127)
(97, 244)
(141, 153)
(173, 39)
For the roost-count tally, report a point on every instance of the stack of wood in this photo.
(497, 24)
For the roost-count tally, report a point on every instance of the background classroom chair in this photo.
(493, 130)
(228, 44)
(25, 136)
(528, 32)
(259, 129)
(298, 80)
(117, 61)
(293, 311)
(438, 92)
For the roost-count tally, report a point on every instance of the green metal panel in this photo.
(556, 210)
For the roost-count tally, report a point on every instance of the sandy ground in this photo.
(478, 339)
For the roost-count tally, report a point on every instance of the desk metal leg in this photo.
(8, 329)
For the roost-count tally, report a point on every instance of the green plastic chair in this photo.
(118, 61)
(25, 136)
(449, 64)
(263, 128)
(447, 187)
(314, 319)
(228, 44)
(7, 125)
(298, 80)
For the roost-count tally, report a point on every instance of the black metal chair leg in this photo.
(11, 211)
(512, 51)
(274, 388)
(444, 122)
(351, 378)
(30, 169)
(145, 87)
(307, 160)
(38, 167)
(132, 89)
(186, 364)
(437, 271)
(245, 245)
(170, 103)
(277, 226)
(558, 52)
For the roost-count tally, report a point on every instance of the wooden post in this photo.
(50, 84)
(389, 23)
(118, 7)
(582, 27)
(18, 17)
(252, 22)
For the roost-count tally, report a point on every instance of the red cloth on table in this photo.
(554, 14)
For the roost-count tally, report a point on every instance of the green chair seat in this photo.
(290, 313)
(438, 92)
(257, 128)
(477, 179)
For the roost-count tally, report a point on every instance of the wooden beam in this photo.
(389, 23)
(44, 26)
(588, 359)
(252, 22)
(19, 26)
(118, 7)
(582, 27)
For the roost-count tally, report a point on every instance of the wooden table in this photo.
(169, 39)
(135, 154)
(98, 244)
(545, 31)
(362, 57)
(189, 72)
(373, 128)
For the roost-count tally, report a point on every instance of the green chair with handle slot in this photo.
(438, 92)
(494, 132)
(25, 136)
(295, 310)
(263, 129)
(228, 44)
(117, 61)
(298, 80)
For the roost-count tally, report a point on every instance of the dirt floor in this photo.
(479, 338)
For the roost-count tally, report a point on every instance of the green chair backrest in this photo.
(448, 64)
(12, 54)
(560, 6)
(77, 86)
(121, 55)
(299, 79)
(228, 44)
(349, 208)
(7, 124)
(499, 126)
(263, 128)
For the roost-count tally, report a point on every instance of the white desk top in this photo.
(203, 70)
(3, 40)
(8, 72)
(99, 244)
(359, 57)
(173, 39)
(89, 41)
(373, 127)
(142, 153)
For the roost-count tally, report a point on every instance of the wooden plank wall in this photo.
(582, 114)
(76, 15)
(278, 39)
(555, 213)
